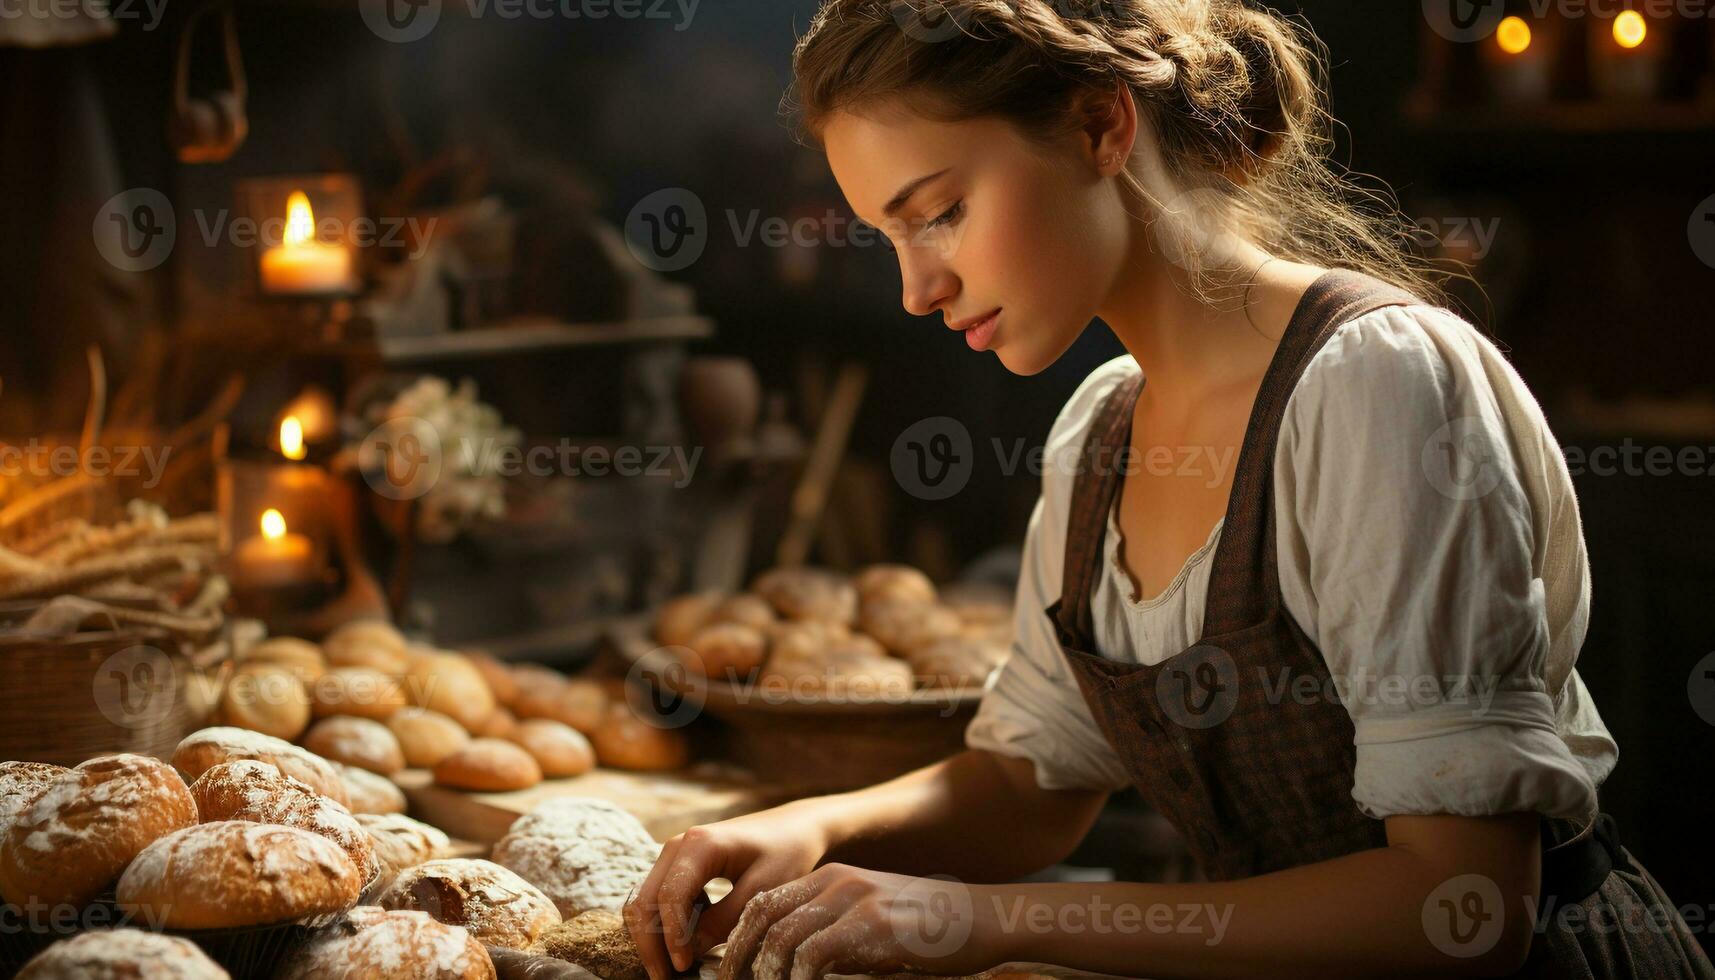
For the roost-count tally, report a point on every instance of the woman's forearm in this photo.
(976, 816)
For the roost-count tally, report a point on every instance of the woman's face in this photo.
(1000, 224)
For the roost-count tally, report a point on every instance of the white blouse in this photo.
(1429, 544)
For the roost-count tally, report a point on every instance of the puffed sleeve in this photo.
(1408, 553)
(1032, 707)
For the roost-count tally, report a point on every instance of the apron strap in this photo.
(1244, 582)
(1099, 473)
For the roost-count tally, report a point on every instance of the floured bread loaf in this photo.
(237, 873)
(256, 791)
(359, 742)
(498, 907)
(201, 751)
(372, 942)
(73, 838)
(370, 793)
(21, 782)
(122, 954)
(582, 853)
(401, 842)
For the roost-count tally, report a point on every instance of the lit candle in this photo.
(292, 438)
(275, 557)
(300, 264)
(1518, 63)
(1626, 63)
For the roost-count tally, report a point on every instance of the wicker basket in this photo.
(89, 694)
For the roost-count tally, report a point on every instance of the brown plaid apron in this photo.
(1256, 782)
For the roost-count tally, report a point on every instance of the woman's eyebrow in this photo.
(909, 189)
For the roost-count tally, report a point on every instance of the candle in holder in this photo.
(292, 438)
(1626, 58)
(300, 263)
(1518, 63)
(276, 557)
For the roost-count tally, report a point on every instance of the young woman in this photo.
(1337, 652)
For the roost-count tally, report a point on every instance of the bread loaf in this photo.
(578, 702)
(371, 793)
(893, 582)
(808, 593)
(450, 684)
(367, 643)
(202, 750)
(363, 692)
(21, 782)
(258, 792)
(583, 853)
(488, 765)
(426, 737)
(400, 842)
(267, 698)
(238, 873)
(625, 741)
(560, 750)
(122, 954)
(498, 907)
(359, 742)
(301, 657)
(372, 942)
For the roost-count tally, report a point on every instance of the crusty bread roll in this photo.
(808, 593)
(599, 942)
(368, 792)
(451, 684)
(69, 842)
(853, 669)
(680, 617)
(358, 742)
(373, 942)
(401, 842)
(576, 701)
(496, 675)
(498, 907)
(360, 691)
(535, 677)
(21, 782)
(267, 698)
(726, 651)
(367, 643)
(895, 582)
(238, 873)
(122, 954)
(745, 609)
(301, 657)
(903, 625)
(202, 750)
(559, 749)
(488, 765)
(501, 723)
(583, 853)
(258, 792)
(956, 661)
(625, 741)
(426, 737)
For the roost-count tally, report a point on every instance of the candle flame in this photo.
(1630, 29)
(1513, 35)
(273, 524)
(292, 437)
(300, 220)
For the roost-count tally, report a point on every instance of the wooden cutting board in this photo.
(666, 803)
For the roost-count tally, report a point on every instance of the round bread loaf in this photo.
(359, 742)
(851, 670)
(576, 701)
(363, 692)
(202, 750)
(535, 677)
(256, 791)
(583, 853)
(21, 782)
(488, 765)
(301, 657)
(501, 723)
(956, 661)
(744, 609)
(367, 643)
(69, 842)
(238, 873)
(400, 842)
(903, 626)
(810, 638)
(894, 582)
(426, 737)
(371, 793)
(726, 651)
(373, 942)
(599, 942)
(267, 698)
(498, 907)
(122, 954)
(808, 593)
(625, 741)
(450, 684)
(560, 750)
(680, 617)
(496, 675)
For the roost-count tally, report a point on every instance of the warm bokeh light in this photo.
(1513, 35)
(273, 524)
(300, 220)
(292, 438)
(1630, 29)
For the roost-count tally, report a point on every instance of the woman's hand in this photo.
(841, 919)
(670, 919)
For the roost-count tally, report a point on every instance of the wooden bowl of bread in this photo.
(831, 679)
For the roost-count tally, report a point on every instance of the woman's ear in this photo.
(1108, 124)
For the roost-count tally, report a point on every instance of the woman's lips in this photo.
(980, 334)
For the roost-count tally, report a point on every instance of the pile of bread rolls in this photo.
(815, 633)
(374, 703)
